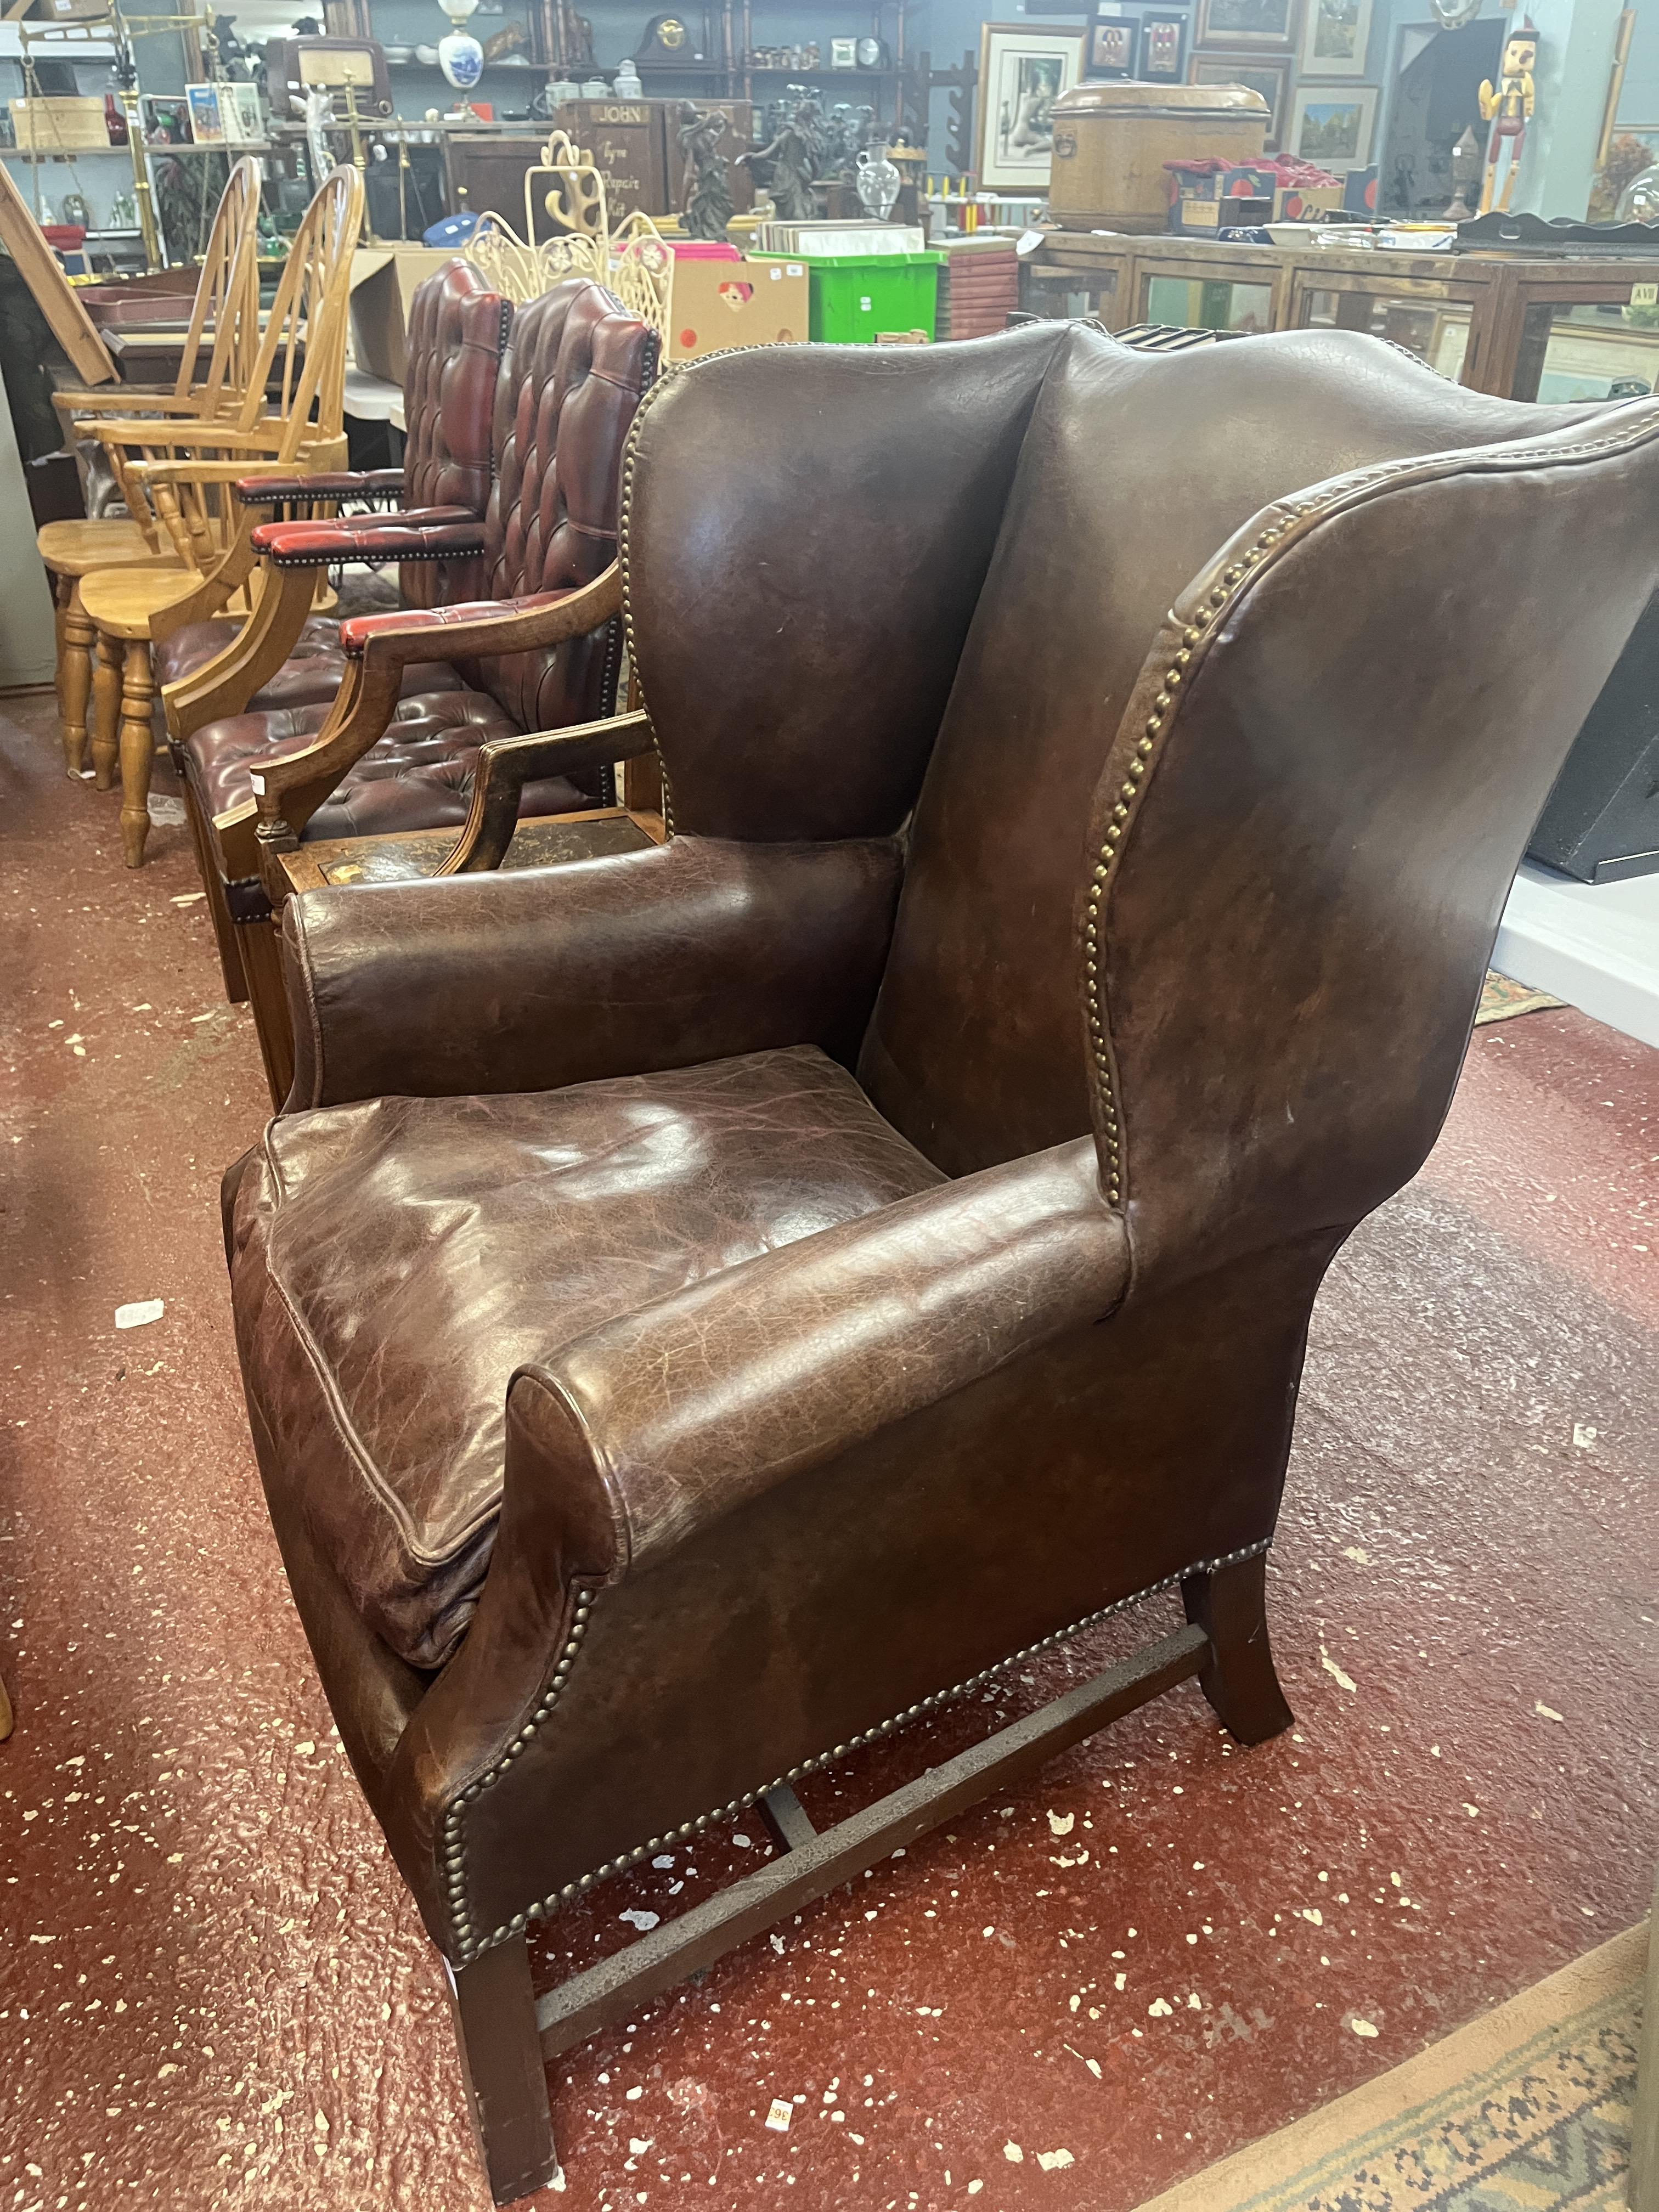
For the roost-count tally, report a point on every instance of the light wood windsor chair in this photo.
(185, 475)
(226, 304)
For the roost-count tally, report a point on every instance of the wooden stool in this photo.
(116, 604)
(71, 551)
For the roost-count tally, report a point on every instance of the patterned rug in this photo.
(1502, 997)
(1528, 2110)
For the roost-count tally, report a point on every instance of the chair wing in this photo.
(1318, 797)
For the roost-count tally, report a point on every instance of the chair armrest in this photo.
(505, 765)
(456, 536)
(378, 649)
(343, 483)
(694, 951)
(696, 1403)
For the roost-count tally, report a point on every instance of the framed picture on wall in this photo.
(1021, 73)
(1332, 126)
(1261, 73)
(1259, 23)
(1162, 56)
(1112, 46)
(1334, 38)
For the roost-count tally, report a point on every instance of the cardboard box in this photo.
(1229, 198)
(384, 280)
(717, 305)
(60, 123)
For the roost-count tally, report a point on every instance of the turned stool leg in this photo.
(75, 682)
(106, 712)
(62, 590)
(1230, 1606)
(138, 750)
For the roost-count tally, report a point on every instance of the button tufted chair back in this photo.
(457, 328)
(572, 373)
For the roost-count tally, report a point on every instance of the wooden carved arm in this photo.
(289, 790)
(505, 766)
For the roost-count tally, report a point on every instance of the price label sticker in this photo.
(1644, 295)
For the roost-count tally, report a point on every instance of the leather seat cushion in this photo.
(311, 674)
(396, 1260)
(418, 776)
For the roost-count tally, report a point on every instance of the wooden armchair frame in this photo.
(184, 477)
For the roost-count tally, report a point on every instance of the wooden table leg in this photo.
(137, 749)
(106, 712)
(75, 682)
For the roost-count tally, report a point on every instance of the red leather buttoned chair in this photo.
(702, 1308)
(523, 648)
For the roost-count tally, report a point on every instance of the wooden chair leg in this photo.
(137, 749)
(106, 712)
(259, 946)
(224, 929)
(63, 591)
(495, 2010)
(1230, 1606)
(74, 682)
(5, 1714)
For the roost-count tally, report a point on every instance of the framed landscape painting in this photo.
(1269, 24)
(1021, 73)
(1335, 34)
(1259, 73)
(1331, 126)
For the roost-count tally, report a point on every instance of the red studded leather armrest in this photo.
(356, 634)
(343, 483)
(437, 533)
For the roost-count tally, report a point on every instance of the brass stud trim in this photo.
(625, 1860)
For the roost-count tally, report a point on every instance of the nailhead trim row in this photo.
(1215, 594)
(452, 1853)
(631, 459)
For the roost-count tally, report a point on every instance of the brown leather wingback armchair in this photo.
(702, 1308)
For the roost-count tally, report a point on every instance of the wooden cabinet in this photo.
(1555, 330)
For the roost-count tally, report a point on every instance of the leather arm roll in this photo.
(342, 483)
(693, 950)
(437, 534)
(691, 1407)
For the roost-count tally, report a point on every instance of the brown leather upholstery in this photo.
(572, 371)
(642, 1185)
(794, 1433)
(415, 778)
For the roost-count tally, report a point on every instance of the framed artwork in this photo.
(1269, 24)
(1163, 48)
(206, 125)
(1331, 125)
(1112, 46)
(1021, 73)
(1334, 38)
(1261, 73)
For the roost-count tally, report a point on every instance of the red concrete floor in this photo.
(214, 1990)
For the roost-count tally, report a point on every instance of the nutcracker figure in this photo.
(1509, 110)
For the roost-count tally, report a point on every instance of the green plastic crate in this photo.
(854, 296)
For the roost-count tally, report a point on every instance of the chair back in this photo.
(297, 375)
(572, 370)
(1134, 469)
(227, 297)
(299, 371)
(457, 326)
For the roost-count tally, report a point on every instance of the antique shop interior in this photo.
(831, 904)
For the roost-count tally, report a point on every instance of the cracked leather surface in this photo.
(486, 1232)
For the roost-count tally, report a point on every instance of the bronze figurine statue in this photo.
(706, 201)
